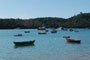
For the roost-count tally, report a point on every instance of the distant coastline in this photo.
(81, 20)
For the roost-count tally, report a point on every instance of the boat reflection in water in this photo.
(24, 43)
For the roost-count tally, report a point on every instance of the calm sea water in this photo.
(47, 47)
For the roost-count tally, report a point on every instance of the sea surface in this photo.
(50, 46)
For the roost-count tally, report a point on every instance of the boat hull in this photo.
(41, 32)
(25, 43)
(54, 31)
(73, 41)
(66, 36)
(18, 35)
(26, 31)
(41, 28)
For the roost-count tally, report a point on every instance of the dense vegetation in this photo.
(10, 23)
(81, 20)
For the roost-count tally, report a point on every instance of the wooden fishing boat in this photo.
(25, 42)
(18, 35)
(41, 32)
(73, 41)
(54, 31)
(26, 31)
(41, 28)
(21, 46)
(64, 29)
(66, 36)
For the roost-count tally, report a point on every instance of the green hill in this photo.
(81, 20)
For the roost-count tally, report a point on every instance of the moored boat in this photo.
(18, 35)
(21, 46)
(41, 32)
(60, 28)
(66, 36)
(54, 31)
(26, 31)
(64, 29)
(42, 28)
(73, 41)
(24, 43)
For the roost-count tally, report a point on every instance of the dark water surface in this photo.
(46, 47)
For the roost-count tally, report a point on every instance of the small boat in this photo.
(24, 43)
(64, 29)
(54, 31)
(41, 32)
(60, 28)
(21, 46)
(18, 35)
(26, 31)
(66, 36)
(41, 28)
(73, 41)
